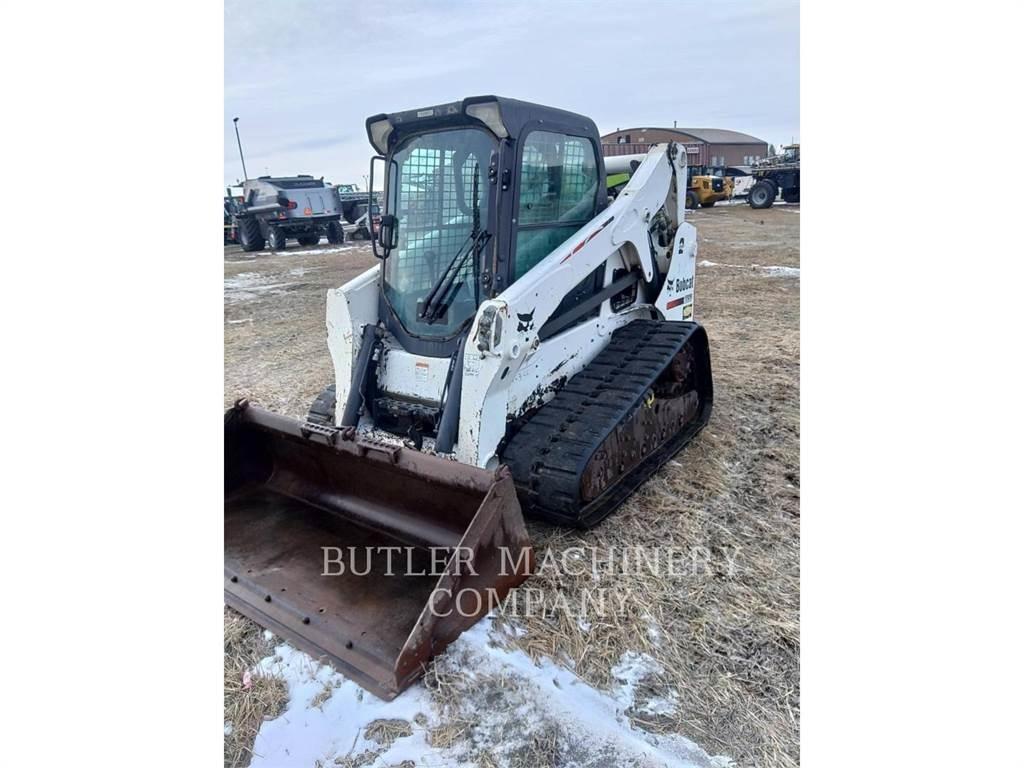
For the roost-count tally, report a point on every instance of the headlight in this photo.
(488, 337)
(487, 112)
(379, 132)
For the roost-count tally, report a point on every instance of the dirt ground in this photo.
(726, 634)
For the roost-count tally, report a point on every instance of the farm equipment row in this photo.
(779, 173)
(270, 210)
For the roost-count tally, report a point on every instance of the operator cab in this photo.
(476, 193)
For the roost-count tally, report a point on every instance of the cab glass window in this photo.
(557, 194)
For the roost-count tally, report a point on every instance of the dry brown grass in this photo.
(727, 642)
(386, 731)
(275, 339)
(321, 698)
(489, 720)
(726, 639)
(246, 707)
(364, 758)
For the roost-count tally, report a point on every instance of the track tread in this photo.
(548, 454)
(322, 409)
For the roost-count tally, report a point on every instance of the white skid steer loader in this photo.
(523, 346)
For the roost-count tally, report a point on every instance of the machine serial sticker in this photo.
(422, 372)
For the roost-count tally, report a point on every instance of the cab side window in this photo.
(557, 194)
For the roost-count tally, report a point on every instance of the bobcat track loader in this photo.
(523, 346)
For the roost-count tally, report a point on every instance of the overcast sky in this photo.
(304, 76)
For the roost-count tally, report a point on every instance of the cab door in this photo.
(557, 193)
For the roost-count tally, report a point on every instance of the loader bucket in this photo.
(370, 557)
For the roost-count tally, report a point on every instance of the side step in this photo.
(644, 397)
(434, 544)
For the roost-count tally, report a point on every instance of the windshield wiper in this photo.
(435, 303)
(441, 294)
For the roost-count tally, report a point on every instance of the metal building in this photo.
(708, 147)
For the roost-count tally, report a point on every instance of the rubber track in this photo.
(549, 454)
(322, 409)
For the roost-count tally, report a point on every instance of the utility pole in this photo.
(239, 138)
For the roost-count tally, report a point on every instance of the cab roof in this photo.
(515, 118)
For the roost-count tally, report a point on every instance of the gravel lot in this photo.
(726, 639)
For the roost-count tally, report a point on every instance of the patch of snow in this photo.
(632, 668)
(268, 635)
(515, 630)
(654, 632)
(770, 270)
(783, 271)
(660, 705)
(300, 271)
(757, 244)
(246, 286)
(303, 734)
(595, 716)
(308, 251)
